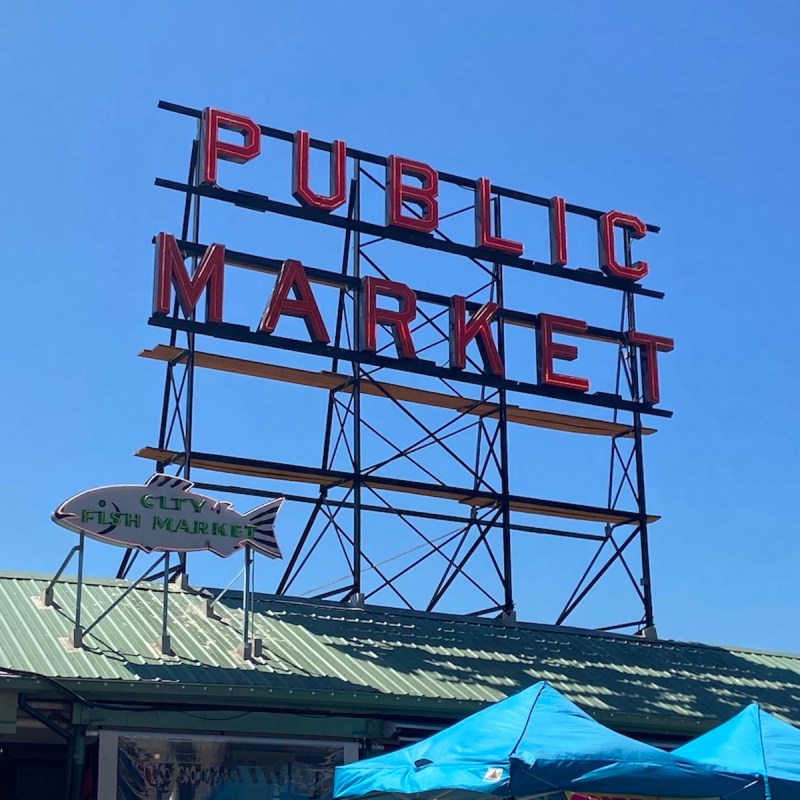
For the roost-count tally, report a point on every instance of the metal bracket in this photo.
(357, 600)
(253, 649)
(48, 595)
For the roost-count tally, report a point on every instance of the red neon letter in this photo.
(293, 278)
(213, 148)
(558, 231)
(605, 235)
(547, 350)
(424, 196)
(399, 320)
(651, 345)
(462, 333)
(300, 189)
(171, 271)
(483, 222)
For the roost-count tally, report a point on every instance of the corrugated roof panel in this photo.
(325, 647)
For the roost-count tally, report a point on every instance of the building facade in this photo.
(329, 683)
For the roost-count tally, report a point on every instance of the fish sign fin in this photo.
(162, 481)
(263, 519)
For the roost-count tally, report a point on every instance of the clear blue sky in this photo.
(684, 113)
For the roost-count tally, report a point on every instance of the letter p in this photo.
(213, 148)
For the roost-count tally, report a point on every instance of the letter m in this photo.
(170, 270)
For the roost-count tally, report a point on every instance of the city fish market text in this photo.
(164, 514)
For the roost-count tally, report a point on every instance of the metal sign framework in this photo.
(353, 483)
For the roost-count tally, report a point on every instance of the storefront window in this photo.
(219, 769)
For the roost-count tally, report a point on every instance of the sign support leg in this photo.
(251, 645)
(357, 597)
(166, 644)
(509, 613)
(77, 633)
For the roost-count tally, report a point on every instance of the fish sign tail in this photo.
(263, 520)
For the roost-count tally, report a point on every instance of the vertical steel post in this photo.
(255, 641)
(190, 338)
(166, 645)
(251, 645)
(77, 633)
(502, 421)
(246, 603)
(77, 759)
(341, 309)
(641, 497)
(191, 219)
(173, 334)
(357, 597)
(190, 344)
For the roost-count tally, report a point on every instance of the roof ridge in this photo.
(389, 611)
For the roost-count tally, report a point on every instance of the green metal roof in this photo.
(325, 654)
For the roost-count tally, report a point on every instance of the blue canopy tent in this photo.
(531, 744)
(757, 744)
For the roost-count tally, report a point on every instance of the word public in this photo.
(421, 193)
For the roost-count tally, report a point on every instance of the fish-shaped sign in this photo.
(165, 515)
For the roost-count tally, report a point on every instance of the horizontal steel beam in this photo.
(272, 266)
(403, 512)
(334, 478)
(241, 333)
(372, 158)
(262, 203)
(338, 382)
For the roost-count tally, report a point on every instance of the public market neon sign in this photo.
(391, 304)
